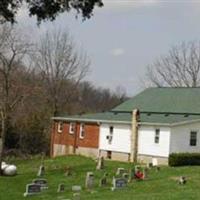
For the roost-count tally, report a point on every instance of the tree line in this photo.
(41, 80)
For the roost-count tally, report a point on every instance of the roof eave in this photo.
(90, 120)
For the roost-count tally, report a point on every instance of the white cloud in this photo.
(117, 52)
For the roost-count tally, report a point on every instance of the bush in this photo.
(182, 159)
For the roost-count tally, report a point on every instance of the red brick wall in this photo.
(91, 138)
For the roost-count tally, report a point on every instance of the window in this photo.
(82, 131)
(157, 136)
(109, 154)
(110, 136)
(71, 128)
(60, 127)
(193, 138)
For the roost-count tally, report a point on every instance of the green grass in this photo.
(160, 185)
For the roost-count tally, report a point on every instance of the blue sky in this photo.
(124, 36)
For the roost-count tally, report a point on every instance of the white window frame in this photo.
(157, 136)
(60, 127)
(71, 128)
(82, 131)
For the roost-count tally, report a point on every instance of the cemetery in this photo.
(90, 179)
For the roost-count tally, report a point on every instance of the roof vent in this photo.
(148, 114)
(186, 115)
(166, 115)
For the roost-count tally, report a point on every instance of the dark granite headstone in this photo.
(119, 183)
(32, 189)
(42, 182)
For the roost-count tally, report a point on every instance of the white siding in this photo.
(146, 144)
(121, 138)
(180, 138)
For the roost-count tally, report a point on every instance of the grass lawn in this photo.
(160, 185)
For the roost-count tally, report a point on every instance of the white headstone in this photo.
(154, 162)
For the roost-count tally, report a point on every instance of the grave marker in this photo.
(103, 180)
(41, 170)
(120, 171)
(89, 182)
(149, 165)
(119, 183)
(32, 189)
(61, 188)
(68, 171)
(76, 188)
(100, 163)
(41, 182)
(76, 196)
(182, 180)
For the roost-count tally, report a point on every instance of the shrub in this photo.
(181, 159)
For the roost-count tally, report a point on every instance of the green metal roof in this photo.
(156, 105)
(167, 119)
(153, 118)
(164, 100)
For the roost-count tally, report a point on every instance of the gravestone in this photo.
(118, 183)
(61, 188)
(120, 171)
(137, 168)
(125, 175)
(182, 180)
(149, 165)
(76, 196)
(41, 171)
(68, 171)
(32, 189)
(154, 162)
(41, 182)
(100, 163)
(103, 180)
(76, 188)
(89, 181)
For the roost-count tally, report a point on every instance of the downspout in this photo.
(53, 129)
(134, 135)
(75, 138)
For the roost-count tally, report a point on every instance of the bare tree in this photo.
(60, 64)
(180, 68)
(12, 51)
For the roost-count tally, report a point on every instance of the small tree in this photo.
(180, 68)
(12, 51)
